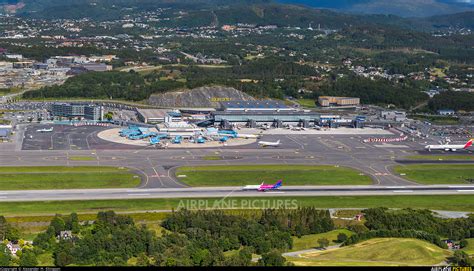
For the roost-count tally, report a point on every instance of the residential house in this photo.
(14, 248)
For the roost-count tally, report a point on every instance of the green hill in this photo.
(203, 13)
(378, 251)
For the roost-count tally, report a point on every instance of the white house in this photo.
(14, 248)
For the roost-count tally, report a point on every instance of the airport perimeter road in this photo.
(225, 192)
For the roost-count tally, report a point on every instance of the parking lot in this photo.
(65, 137)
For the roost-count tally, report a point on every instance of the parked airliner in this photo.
(45, 130)
(448, 147)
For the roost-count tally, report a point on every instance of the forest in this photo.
(106, 85)
(214, 237)
(455, 100)
(136, 87)
(254, 77)
(369, 91)
(410, 223)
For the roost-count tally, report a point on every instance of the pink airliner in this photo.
(264, 187)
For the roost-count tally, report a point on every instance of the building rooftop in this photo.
(153, 113)
(180, 124)
(4, 132)
(266, 104)
(243, 113)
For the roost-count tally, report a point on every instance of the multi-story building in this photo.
(77, 110)
(338, 101)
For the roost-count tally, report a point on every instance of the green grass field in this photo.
(449, 203)
(311, 240)
(45, 259)
(437, 174)
(308, 103)
(470, 247)
(378, 251)
(30, 226)
(34, 178)
(212, 158)
(82, 158)
(255, 174)
(440, 157)
(438, 120)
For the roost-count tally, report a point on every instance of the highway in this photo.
(224, 192)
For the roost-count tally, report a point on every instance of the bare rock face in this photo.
(199, 97)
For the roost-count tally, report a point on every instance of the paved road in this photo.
(299, 252)
(224, 192)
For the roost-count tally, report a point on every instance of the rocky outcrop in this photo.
(199, 97)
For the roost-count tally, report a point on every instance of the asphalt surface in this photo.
(157, 166)
(224, 192)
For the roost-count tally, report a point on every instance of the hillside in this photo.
(404, 8)
(380, 252)
(282, 13)
(198, 97)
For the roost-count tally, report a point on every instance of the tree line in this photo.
(409, 223)
(370, 91)
(217, 238)
(455, 100)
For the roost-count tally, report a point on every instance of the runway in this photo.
(225, 192)
(157, 166)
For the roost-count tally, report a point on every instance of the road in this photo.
(298, 253)
(224, 192)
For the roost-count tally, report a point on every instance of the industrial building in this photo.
(398, 116)
(326, 101)
(183, 129)
(155, 116)
(77, 110)
(446, 112)
(5, 131)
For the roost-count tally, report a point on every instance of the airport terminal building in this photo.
(276, 114)
(254, 113)
(155, 116)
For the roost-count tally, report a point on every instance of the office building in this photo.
(326, 101)
(77, 110)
